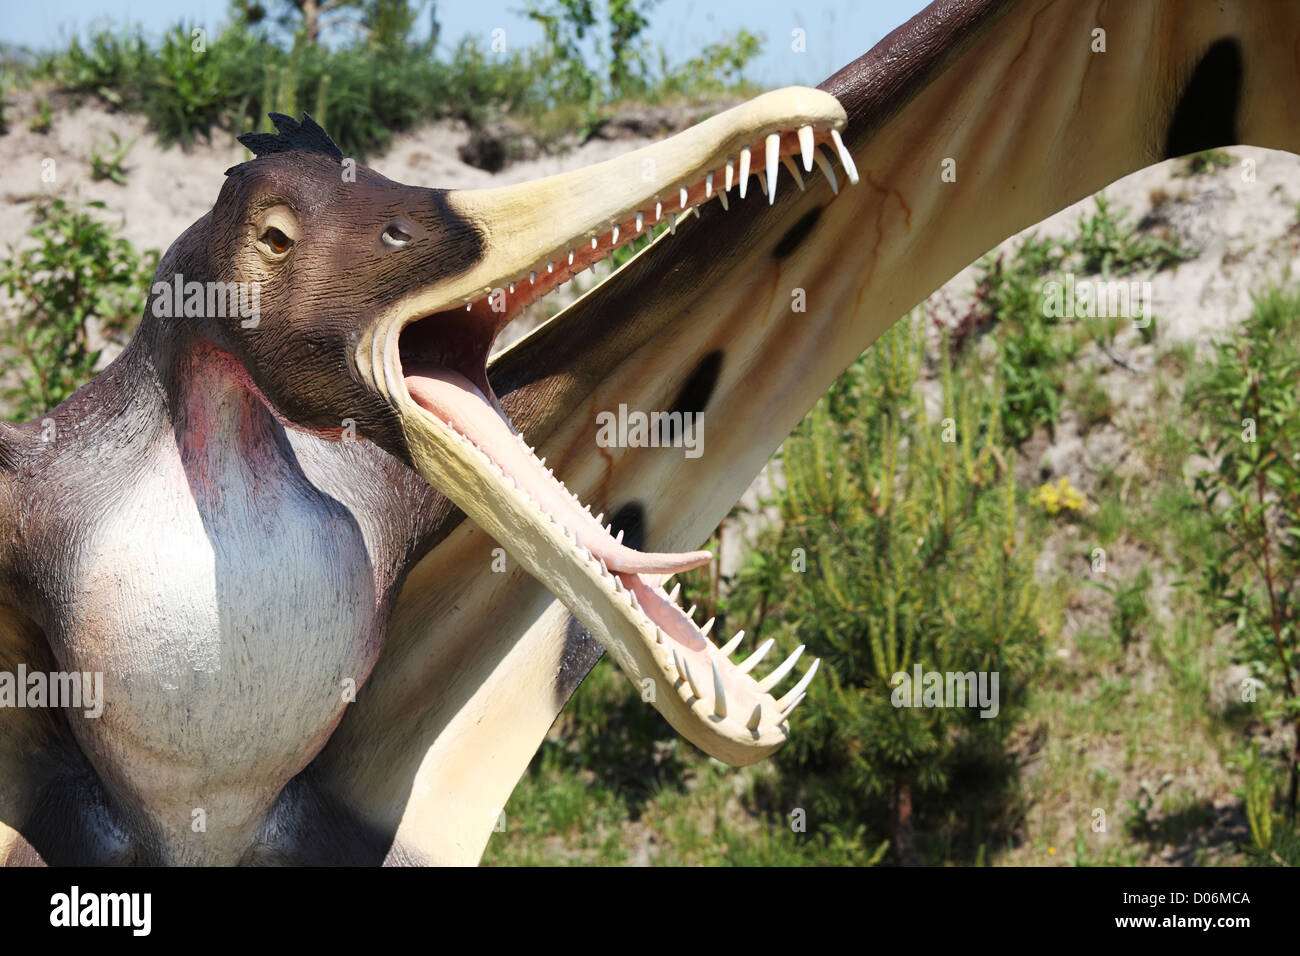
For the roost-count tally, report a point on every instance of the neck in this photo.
(193, 394)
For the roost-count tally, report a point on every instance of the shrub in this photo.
(1248, 397)
(911, 535)
(78, 271)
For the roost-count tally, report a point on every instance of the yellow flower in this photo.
(1059, 497)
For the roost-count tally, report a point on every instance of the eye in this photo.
(276, 240)
(395, 237)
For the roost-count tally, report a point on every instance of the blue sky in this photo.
(837, 30)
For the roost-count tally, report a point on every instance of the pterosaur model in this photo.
(254, 528)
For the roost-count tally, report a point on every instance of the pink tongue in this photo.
(455, 400)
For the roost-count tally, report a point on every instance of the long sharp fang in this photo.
(824, 165)
(729, 177)
(640, 223)
(806, 147)
(732, 644)
(798, 689)
(614, 237)
(773, 153)
(659, 211)
(719, 694)
(845, 158)
(708, 626)
(755, 717)
(708, 185)
(722, 198)
(677, 589)
(690, 678)
(752, 660)
(790, 164)
(682, 197)
(744, 171)
(785, 715)
(774, 678)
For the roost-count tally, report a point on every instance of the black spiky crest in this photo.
(305, 135)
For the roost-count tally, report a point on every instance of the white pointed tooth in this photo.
(468, 306)
(660, 635)
(618, 584)
(752, 660)
(614, 236)
(708, 185)
(640, 222)
(604, 568)
(681, 197)
(708, 626)
(729, 176)
(659, 211)
(678, 664)
(690, 678)
(570, 257)
(744, 171)
(550, 267)
(774, 678)
(619, 537)
(719, 693)
(532, 277)
(785, 714)
(755, 717)
(799, 688)
(691, 612)
(773, 155)
(824, 165)
(512, 288)
(672, 225)
(849, 167)
(789, 163)
(595, 241)
(732, 644)
(600, 517)
(631, 599)
(762, 182)
(677, 589)
(722, 198)
(806, 147)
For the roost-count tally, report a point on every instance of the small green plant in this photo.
(1132, 605)
(1108, 245)
(1249, 401)
(78, 271)
(109, 165)
(44, 118)
(1206, 161)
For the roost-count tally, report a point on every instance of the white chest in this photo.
(232, 611)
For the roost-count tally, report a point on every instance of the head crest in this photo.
(292, 135)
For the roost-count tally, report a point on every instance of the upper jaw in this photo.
(537, 235)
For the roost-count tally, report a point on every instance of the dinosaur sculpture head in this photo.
(379, 303)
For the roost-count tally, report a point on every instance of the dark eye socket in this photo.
(394, 235)
(276, 239)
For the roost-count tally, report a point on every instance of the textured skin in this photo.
(474, 666)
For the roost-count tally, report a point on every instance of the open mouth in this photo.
(463, 444)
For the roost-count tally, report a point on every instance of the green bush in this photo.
(911, 533)
(78, 270)
(1252, 496)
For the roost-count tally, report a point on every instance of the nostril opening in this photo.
(396, 236)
